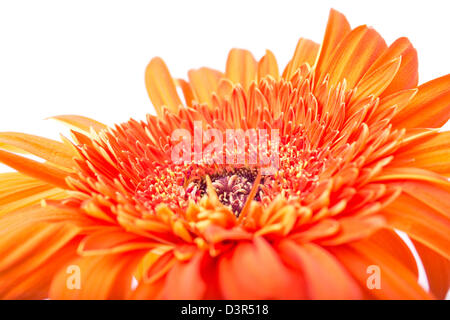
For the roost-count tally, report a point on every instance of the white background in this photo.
(89, 57)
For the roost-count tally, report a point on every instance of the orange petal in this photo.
(53, 151)
(322, 229)
(112, 240)
(324, 276)
(389, 241)
(355, 228)
(155, 264)
(376, 82)
(431, 152)
(254, 270)
(204, 82)
(28, 197)
(28, 243)
(430, 108)
(268, 66)
(396, 281)
(420, 222)
(241, 67)
(435, 196)
(26, 248)
(354, 56)
(437, 269)
(189, 275)
(161, 87)
(35, 169)
(407, 75)
(399, 100)
(102, 277)
(35, 284)
(187, 91)
(337, 28)
(410, 173)
(80, 123)
(305, 52)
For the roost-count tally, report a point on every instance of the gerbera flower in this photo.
(360, 155)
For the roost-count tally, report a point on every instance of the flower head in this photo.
(357, 155)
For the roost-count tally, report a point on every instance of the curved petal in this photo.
(255, 271)
(396, 281)
(389, 241)
(35, 284)
(407, 75)
(430, 108)
(437, 269)
(161, 86)
(324, 276)
(268, 66)
(430, 152)
(354, 56)
(355, 228)
(184, 280)
(80, 122)
(41, 171)
(420, 222)
(110, 240)
(241, 67)
(204, 82)
(305, 52)
(187, 91)
(101, 277)
(337, 29)
(54, 151)
(374, 83)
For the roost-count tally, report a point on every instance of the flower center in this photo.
(232, 187)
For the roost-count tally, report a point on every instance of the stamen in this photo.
(232, 187)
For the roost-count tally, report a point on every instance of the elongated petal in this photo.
(187, 91)
(389, 241)
(399, 100)
(430, 108)
(354, 56)
(414, 174)
(396, 281)
(241, 67)
(29, 197)
(420, 222)
(80, 122)
(161, 86)
(355, 228)
(112, 240)
(324, 276)
(437, 269)
(95, 283)
(35, 169)
(33, 244)
(429, 152)
(337, 29)
(305, 52)
(254, 270)
(53, 151)
(36, 283)
(376, 82)
(268, 66)
(407, 75)
(204, 82)
(433, 195)
(189, 275)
